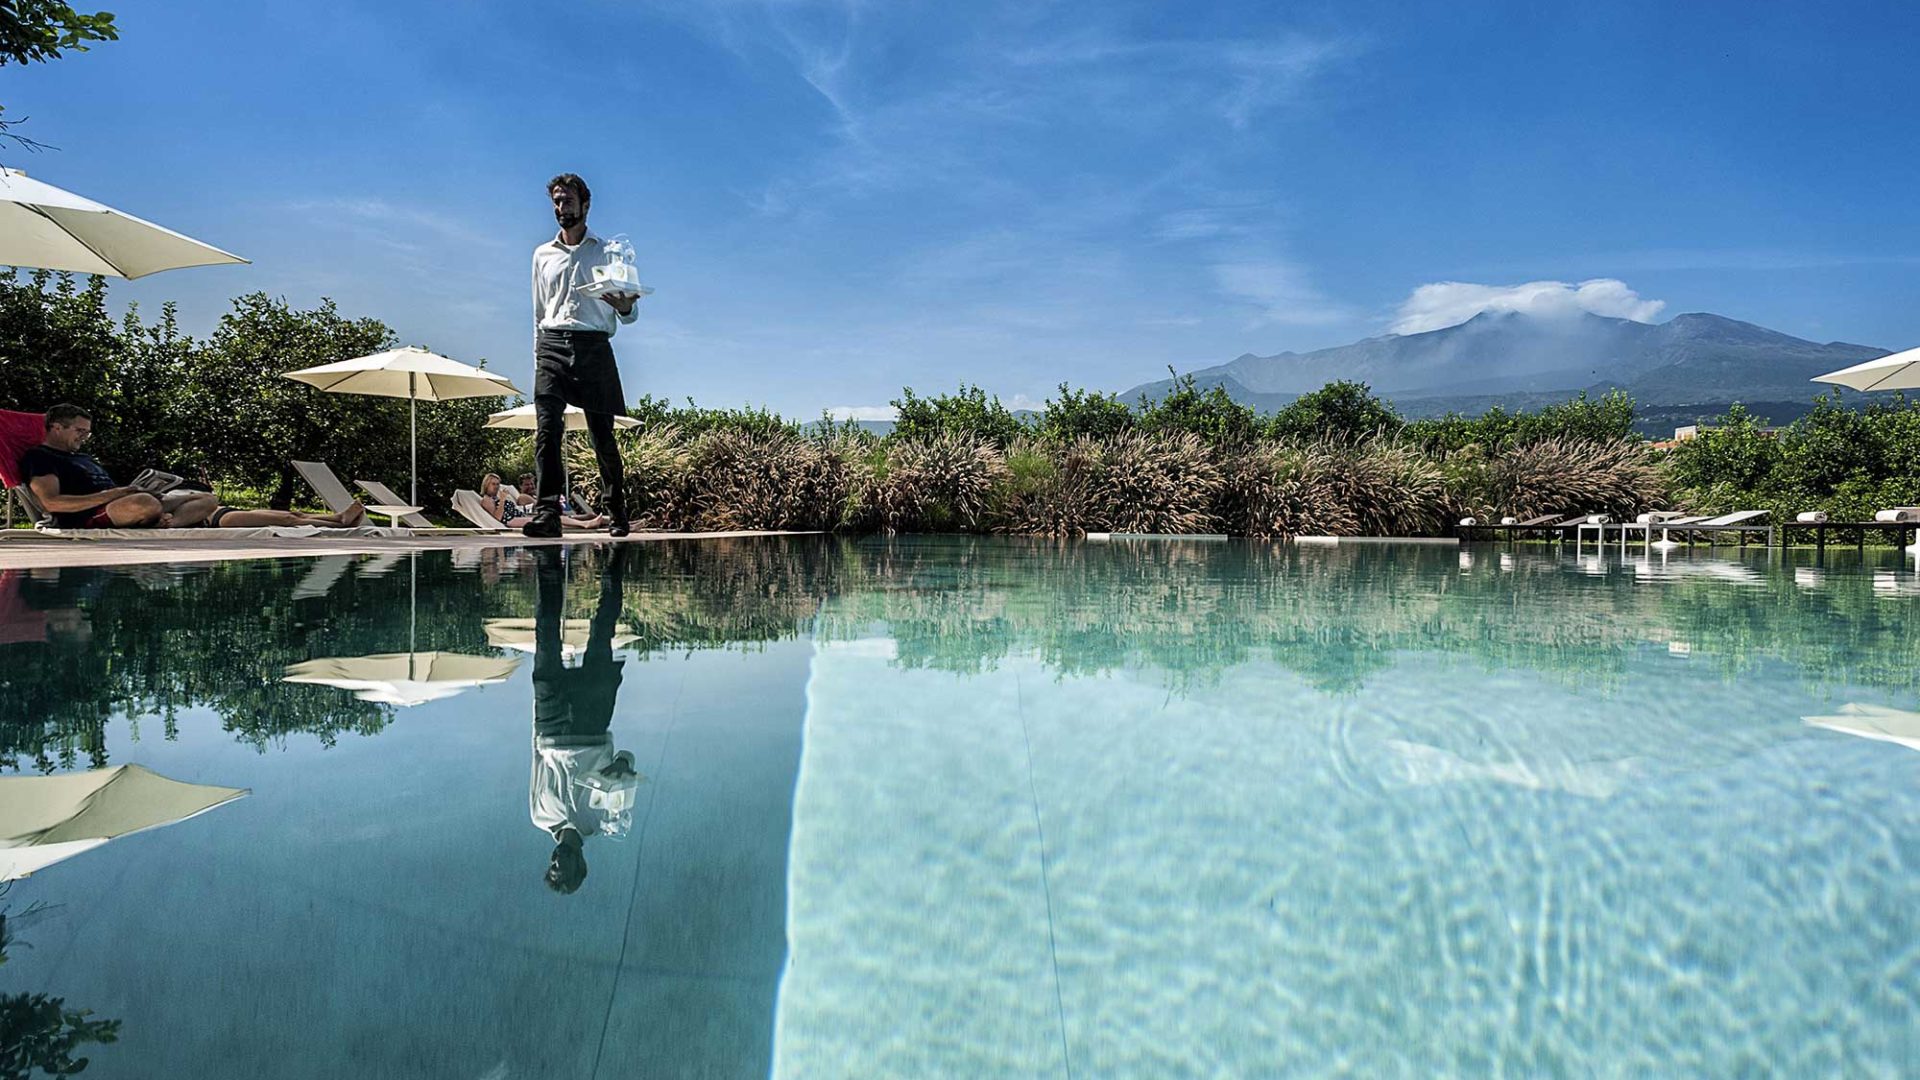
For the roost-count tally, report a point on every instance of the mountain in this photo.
(1520, 360)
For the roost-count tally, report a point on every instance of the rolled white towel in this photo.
(1899, 513)
(1812, 517)
(1509, 521)
(1599, 519)
(1468, 522)
(1644, 519)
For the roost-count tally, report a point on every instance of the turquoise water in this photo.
(950, 807)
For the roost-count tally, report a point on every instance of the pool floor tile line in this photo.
(1046, 887)
(639, 861)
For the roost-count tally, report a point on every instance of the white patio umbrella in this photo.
(44, 227)
(523, 419)
(1897, 371)
(44, 819)
(519, 634)
(412, 373)
(406, 679)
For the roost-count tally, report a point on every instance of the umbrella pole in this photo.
(413, 441)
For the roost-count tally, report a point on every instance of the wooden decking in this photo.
(22, 550)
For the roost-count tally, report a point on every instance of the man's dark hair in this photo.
(578, 186)
(64, 414)
(567, 869)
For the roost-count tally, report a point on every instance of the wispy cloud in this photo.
(1450, 303)
(1278, 292)
(863, 412)
(408, 227)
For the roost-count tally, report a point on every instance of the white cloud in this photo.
(1450, 303)
(863, 412)
(1279, 292)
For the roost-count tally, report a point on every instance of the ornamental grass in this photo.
(1133, 481)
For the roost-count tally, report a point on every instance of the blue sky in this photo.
(838, 199)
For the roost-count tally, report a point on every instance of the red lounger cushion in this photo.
(19, 433)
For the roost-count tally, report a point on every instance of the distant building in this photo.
(1692, 431)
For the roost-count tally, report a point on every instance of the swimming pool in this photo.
(981, 807)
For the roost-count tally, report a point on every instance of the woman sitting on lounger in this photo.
(512, 507)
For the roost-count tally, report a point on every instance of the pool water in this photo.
(922, 807)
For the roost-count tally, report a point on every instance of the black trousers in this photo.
(576, 367)
(574, 706)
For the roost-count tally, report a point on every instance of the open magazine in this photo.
(153, 481)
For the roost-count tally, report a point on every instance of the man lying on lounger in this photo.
(78, 494)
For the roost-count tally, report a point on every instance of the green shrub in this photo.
(1339, 412)
(1212, 415)
(1084, 412)
(968, 413)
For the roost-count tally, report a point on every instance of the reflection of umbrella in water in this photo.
(404, 678)
(519, 634)
(410, 678)
(44, 819)
(1874, 722)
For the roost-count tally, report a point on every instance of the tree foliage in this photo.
(967, 412)
(1847, 462)
(1342, 412)
(1605, 419)
(35, 31)
(1211, 414)
(39, 1036)
(218, 410)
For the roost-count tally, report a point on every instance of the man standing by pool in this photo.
(573, 358)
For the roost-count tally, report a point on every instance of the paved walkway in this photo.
(20, 550)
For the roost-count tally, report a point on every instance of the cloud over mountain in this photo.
(1450, 303)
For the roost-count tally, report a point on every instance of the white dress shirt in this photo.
(558, 271)
(570, 787)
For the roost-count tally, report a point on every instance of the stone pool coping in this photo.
(29, 551)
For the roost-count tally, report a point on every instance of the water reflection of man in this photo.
(581, 786)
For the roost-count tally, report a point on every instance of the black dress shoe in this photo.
(542, 527)
(618, 528)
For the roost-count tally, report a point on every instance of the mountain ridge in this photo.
(1694, 358)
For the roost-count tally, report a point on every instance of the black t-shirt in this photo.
(78, 474)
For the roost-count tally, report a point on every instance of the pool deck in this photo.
(28, 552)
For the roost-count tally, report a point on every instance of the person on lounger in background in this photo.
(568, 504)
(79, 494)
(514, 506)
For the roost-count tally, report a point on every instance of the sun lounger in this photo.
(384, 496)
(1509, 526)
(19, 433)
(468, 505)
(322, 576)
(1741, 522)
(326, 485)
(1556, 525)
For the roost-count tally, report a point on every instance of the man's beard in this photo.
(568, 221)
